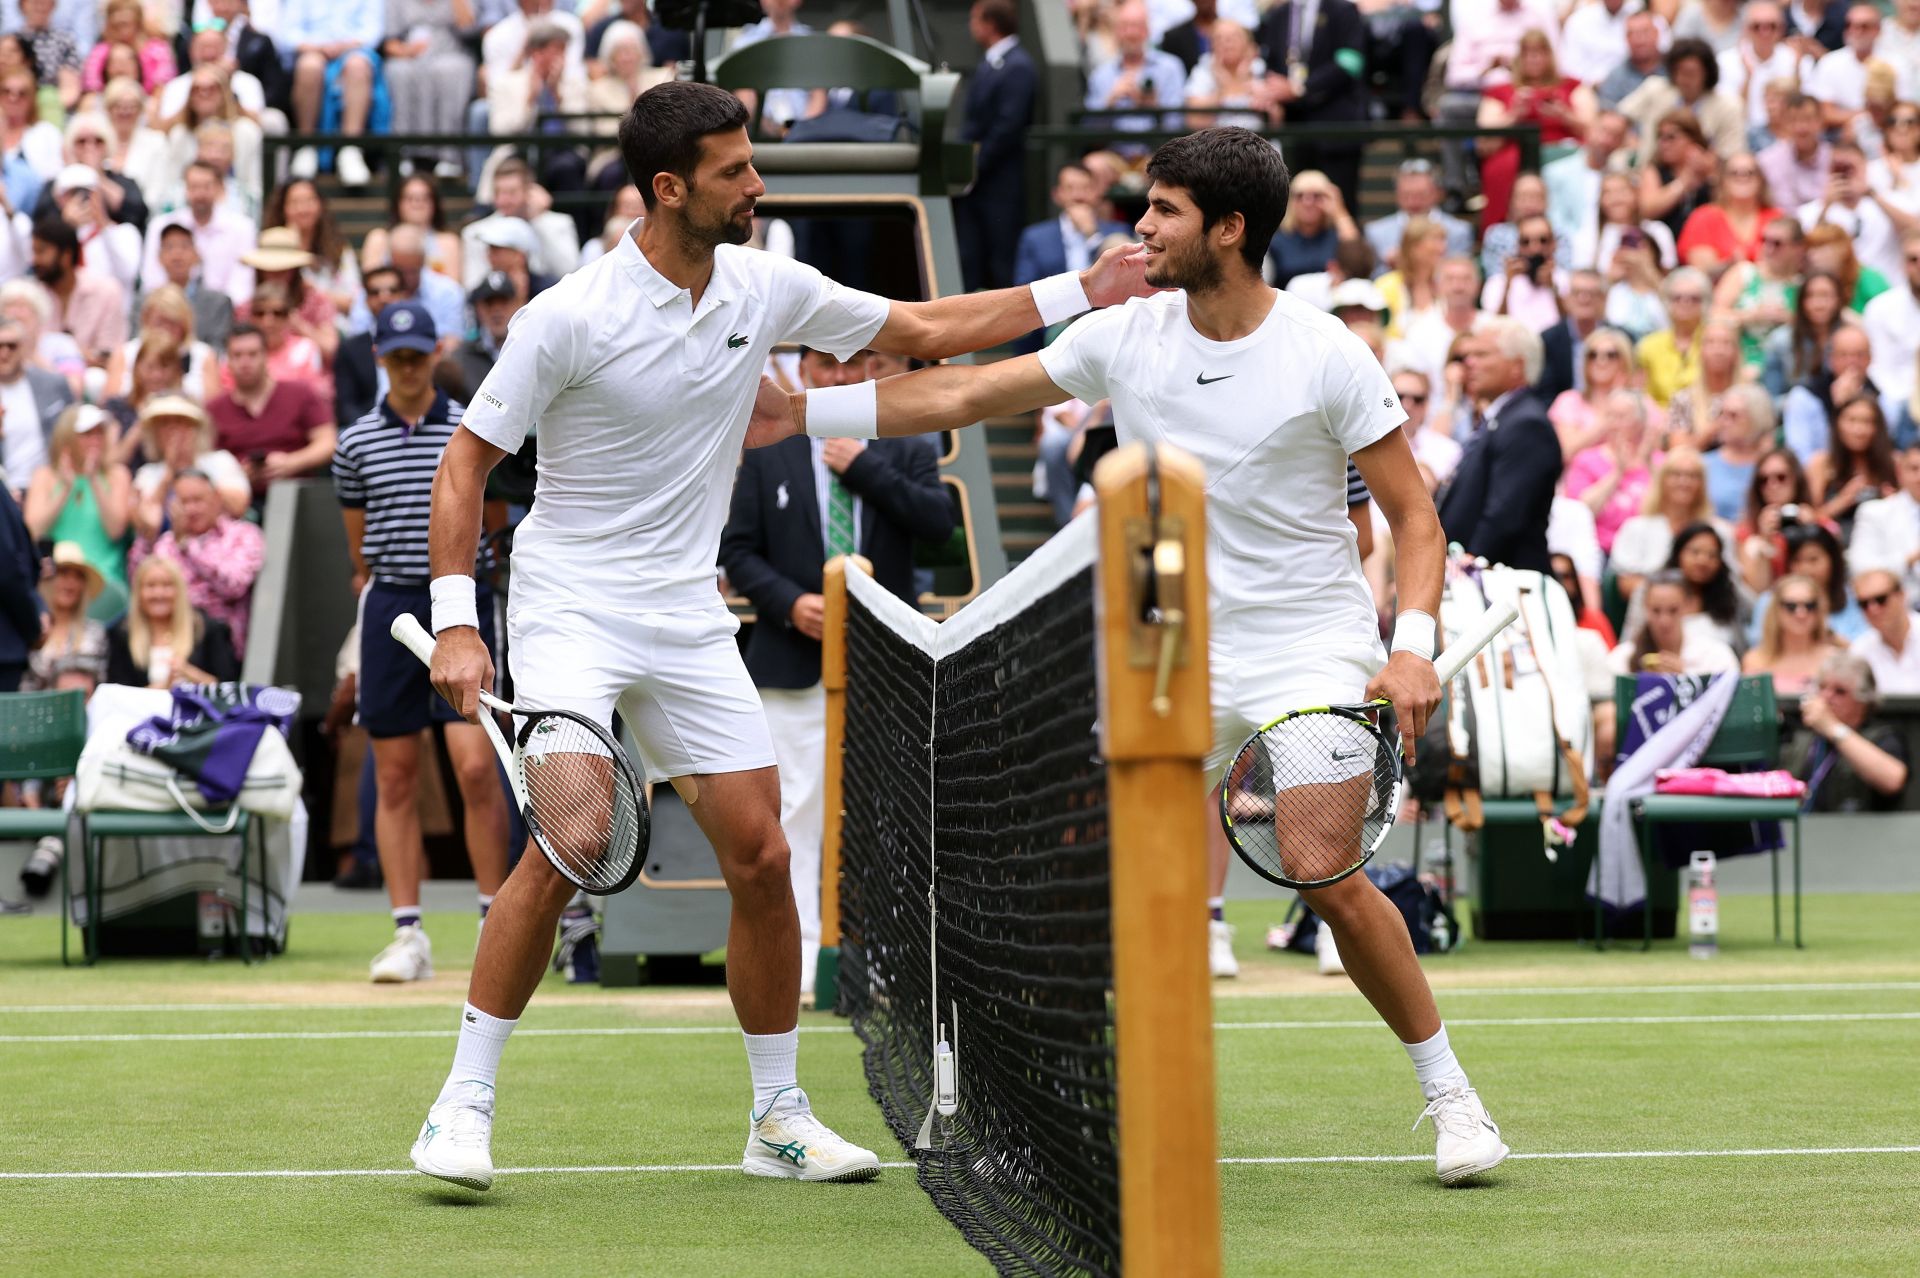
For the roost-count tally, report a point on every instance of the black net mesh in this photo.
(990, 756)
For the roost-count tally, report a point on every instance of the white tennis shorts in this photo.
(1251, 692)
(676, 678)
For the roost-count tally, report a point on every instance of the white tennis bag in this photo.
(1525, 728)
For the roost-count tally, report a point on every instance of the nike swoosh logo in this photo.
(1204, 380)
(1342, 758)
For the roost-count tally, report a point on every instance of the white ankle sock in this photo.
(1435, 1065)
(772, 1058)
(477, 1058)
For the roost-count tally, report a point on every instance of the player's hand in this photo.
(809, 615)
(1116, 275)
(1410, 683)
(839, 454)
(461, 667)
(772, 419)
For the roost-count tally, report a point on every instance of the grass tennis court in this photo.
(300, 1067)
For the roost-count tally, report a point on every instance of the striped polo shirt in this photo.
(386, 468)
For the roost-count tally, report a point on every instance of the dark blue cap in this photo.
(404, 326)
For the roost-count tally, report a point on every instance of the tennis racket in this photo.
(1310, 797)
(583, 802)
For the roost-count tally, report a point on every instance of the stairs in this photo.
(1024, 521)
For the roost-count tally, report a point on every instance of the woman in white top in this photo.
(625, 207)
(1677, 497)
(22, 131)
(1227, 76)
(1666, 644)
(132, 147)
(1435, 452)
(1594, 245)
(168, 310)
(179, 432)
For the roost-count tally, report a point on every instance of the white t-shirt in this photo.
(641, 401)
(1273, 417)
(220, 467)
(1893, 672)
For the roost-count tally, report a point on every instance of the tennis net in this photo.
(975, 905)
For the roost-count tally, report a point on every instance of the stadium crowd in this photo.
(1675, 364)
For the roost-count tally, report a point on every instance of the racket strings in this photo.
(1311, 797)
(581, 802)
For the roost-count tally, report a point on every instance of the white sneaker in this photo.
(455, 1143)
(306, 163)
(409, 957)
(351, 167)
(1466, 1141)
(788, 1142)
(1220, 957)
(1327, 952)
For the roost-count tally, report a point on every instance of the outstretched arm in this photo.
(950, 326)
(917, 403)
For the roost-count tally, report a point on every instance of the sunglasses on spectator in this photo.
(1603, 354)
(1870, 602)
(1776, 477)
(270, 312)
(1862, 26)
(1695, 298)
(1798, 605)
(1416, 398)
(1903, 121)
(1762, 25)
(1839, 690)
(1537, 241)
(9, 346)
(1743, 173)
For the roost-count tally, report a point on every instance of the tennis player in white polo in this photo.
(640, 372)
(1272, 395)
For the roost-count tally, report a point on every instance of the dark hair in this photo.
(514, 166)
(367, 277)
(1000, 15)
(1799, 537)
(328, 244)
(246, 330)
(662, 130)
(54, 230)
(206, 165)
(1807, 350)
(1700, 51)
(1355, 258)
(438, 221)
(1229, 170)
(1756, 490)
(1719, 598)
(1663, 577)
(1575, 588)
(1878, 459)
(176, 228)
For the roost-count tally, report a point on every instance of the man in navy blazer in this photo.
(1501, 497)
(794, 505)
(1068, 242)
(1000, 100)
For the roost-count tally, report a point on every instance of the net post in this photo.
(1157, 726)
(833, 682)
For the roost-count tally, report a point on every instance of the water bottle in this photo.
(1703, 907)
(213, 925)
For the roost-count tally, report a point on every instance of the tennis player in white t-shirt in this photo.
(640, 372)
(1272, 395)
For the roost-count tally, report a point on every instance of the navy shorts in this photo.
(396, 696)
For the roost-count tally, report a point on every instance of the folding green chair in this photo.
(1748, 736)
(41, 735)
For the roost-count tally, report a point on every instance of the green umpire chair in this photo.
(1748, 737)
(41, 735)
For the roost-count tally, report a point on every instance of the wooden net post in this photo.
(833, 681)
(1157, 725)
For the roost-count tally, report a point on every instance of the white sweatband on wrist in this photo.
(1414, 631)
(844, 412)
(1059, 298)
(453, 603)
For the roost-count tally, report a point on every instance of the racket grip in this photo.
(408, 630)
(1461, 650)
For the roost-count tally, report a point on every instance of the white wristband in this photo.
(1414, 631)
(1059, 298)
(844, 412)
(453, 603)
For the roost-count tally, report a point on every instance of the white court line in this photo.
(1491, 991)
(657, 1168)
(643, 1031)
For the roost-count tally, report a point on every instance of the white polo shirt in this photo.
(1273, 417)
(642, 402)
(1893, 672)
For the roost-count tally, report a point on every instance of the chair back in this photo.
(1749, 735)
(41, 734)
(818, 62)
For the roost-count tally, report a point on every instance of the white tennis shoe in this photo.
(456, 1142)
(408, 957)
(787, 1141)
(1220, 959)
(1466, 1141)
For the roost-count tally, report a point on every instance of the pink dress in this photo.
(156, 66)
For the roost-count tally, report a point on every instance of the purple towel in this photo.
(212, 731)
